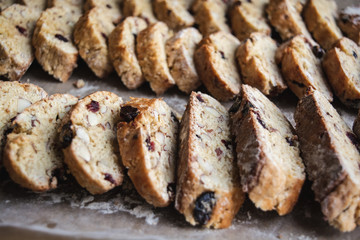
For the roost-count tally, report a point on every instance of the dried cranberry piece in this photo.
(109, 177)
(149, 144)
(21, 30)
(218, 151)
(61, 38)
(204, 205)
(93, 106)
(318, 51)
(128, 113)
(200, 98)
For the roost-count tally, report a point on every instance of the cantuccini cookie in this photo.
(300, 63)
(210, 16)
(32, 155)
(342, 67)
(320, 17)
(122, 50)
(152, 56)
(53, 42)
(247, 17)
(88, 139)
(173, 13)
(216, 65)
(330, 152)
(91, 37)
(180, 50)
(285, 17)
(147, 136)
(111, 7)
(139, 8)
(349, 22)
(268, 155)
(256, 59)
(208, 190)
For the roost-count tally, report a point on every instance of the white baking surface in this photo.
(71, 213)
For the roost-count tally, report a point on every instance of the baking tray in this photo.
(70, 212)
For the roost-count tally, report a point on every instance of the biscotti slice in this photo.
(320, 18)
(216, 65)
(331, 156)
(6, 3)
(112, 8)
(268, 155)
(147, 136)
(208, 190)
(122, 50)
(139, 8)
(53, 42)
(88, 140)
(256, 58)
(32, 155)
(152, 57)
(90, 36)
(349, 22)
(180, 51)
(285, 17)
(210, 16)
(300, 63)
(342, 67)
(14, 98)
(173, 13)
(247, 17)
(16, 54)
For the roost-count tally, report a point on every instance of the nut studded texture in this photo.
(332, 159)
(342, 67)
(152, 57)
(300, 63)
(173, 13)
(53, 43)
(208, 189)
(88, 139)
(139, 8)
(268, 155)
(247, 17)
(210, 16)
(122, 50)
(320, 17)
(147, 136)
(216, 65)
(180, 51)
(32, 154)
(14, 98)
(111, 7)
(285, 17)
(256, 59)
(349, 22)
(16, 54)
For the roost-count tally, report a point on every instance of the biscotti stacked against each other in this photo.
(349, 22)
(17, 25)
(32, 155)
(147, 135)
(88, 140)
(332, 158)
(53, 38)
(268, 155)
(208, 190)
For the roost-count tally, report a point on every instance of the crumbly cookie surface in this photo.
(349, 22)
(111, 7)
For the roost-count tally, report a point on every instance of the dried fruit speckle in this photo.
(109, 177)
(128, 113)
(203, 207)
(93, 106)
(149, 144)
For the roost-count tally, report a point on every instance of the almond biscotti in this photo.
(139, 8)
(122, 50)
(180, 50)
(216, 65)
(152, 57)
(349, 22)
(342, 67)
(268, 155)
(147, 136)
(256, 59)
(32, 155)
(111, 7)
(53, 42)
(210, 16)
(247, 17)
(320, 18)
(300, 63)
(208, 191)
(88, 141)
(285, 17)
(331, 156)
